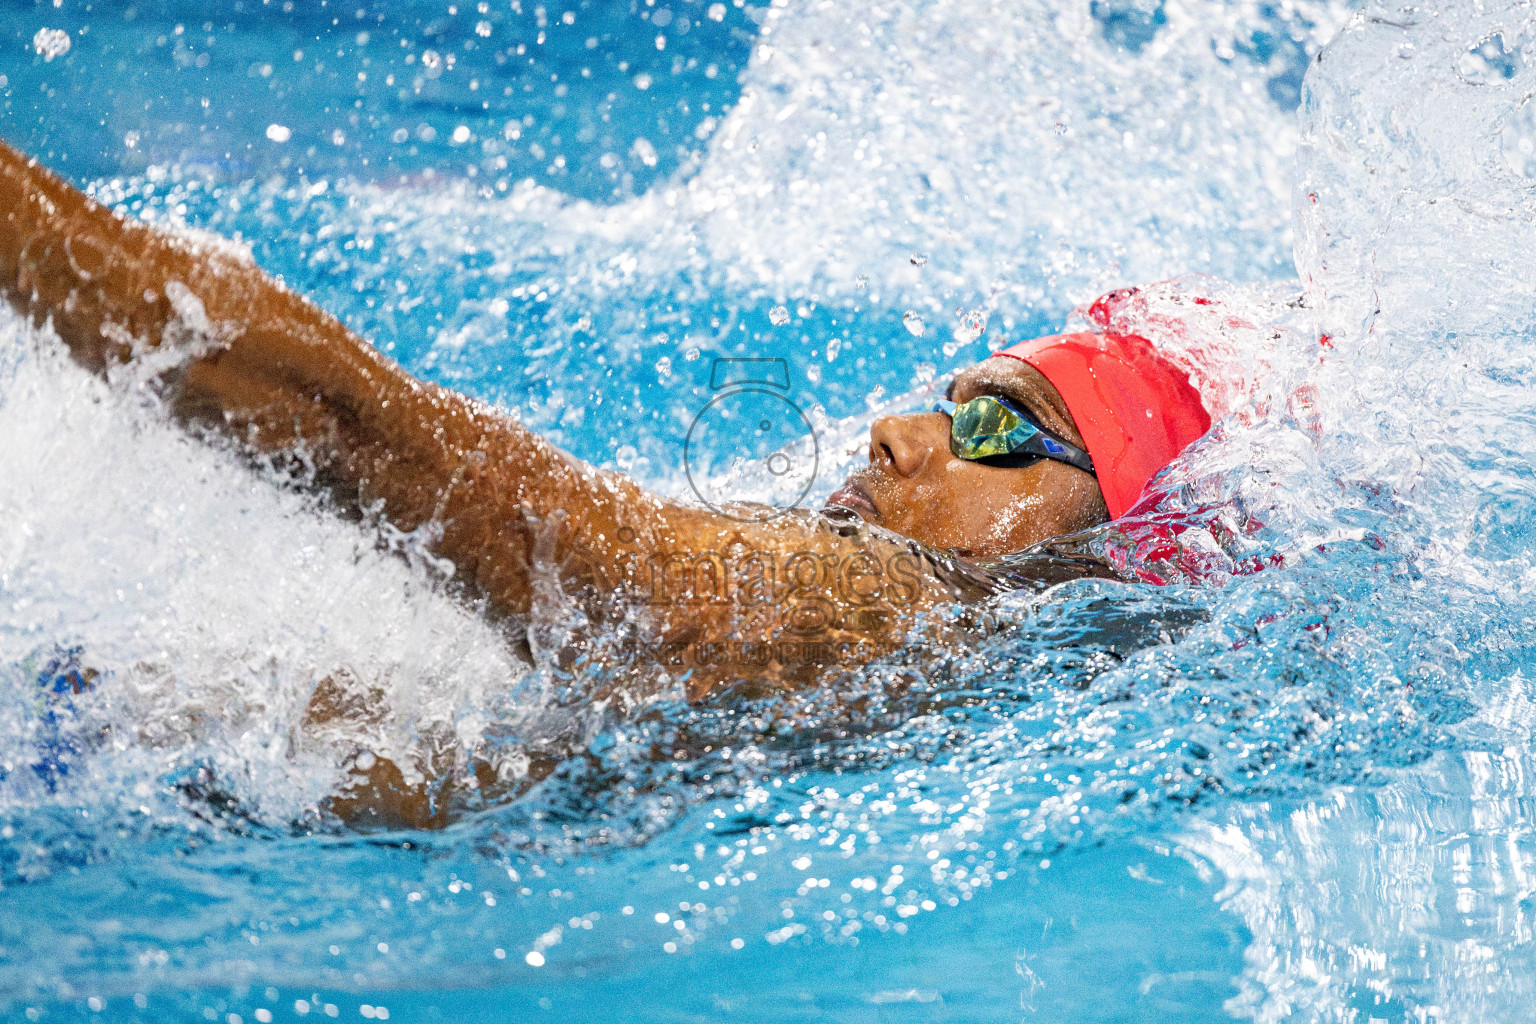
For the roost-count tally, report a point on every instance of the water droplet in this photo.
(833, 348)
(861, 282)
(664, 367)
(482, 28)
(918, 259)
(1489, 60)
(913, 322)
(585, 323)
(51, 43)
(973, 323)
(778, 316)
(279, 132)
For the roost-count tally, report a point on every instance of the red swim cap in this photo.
(1135, 409)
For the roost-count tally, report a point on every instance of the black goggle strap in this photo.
(1042, 443)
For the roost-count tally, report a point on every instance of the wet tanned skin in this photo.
(235, 353)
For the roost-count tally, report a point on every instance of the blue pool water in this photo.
(1300, 792)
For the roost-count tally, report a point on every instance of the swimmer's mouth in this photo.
(852, 495)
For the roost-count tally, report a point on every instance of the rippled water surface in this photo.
(1283, 771)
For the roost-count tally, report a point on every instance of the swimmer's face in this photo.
(915, 486)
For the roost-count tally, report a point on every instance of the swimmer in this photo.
(1043, 440)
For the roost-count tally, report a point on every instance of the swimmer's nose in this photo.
(901, 443)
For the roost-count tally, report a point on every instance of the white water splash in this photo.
(210, 601)
(1412, 206)
(50, 43)
(1053, 153)
(1410, 900)
(1057, 167)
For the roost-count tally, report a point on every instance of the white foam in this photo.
(211, 601)
(1412, 205)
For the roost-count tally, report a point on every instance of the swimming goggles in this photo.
(992, 430)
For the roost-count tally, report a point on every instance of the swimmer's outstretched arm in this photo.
(232, 348)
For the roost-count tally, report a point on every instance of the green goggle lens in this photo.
(984, 427)
(988, 427)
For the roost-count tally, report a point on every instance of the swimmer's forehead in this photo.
(1020, 383)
